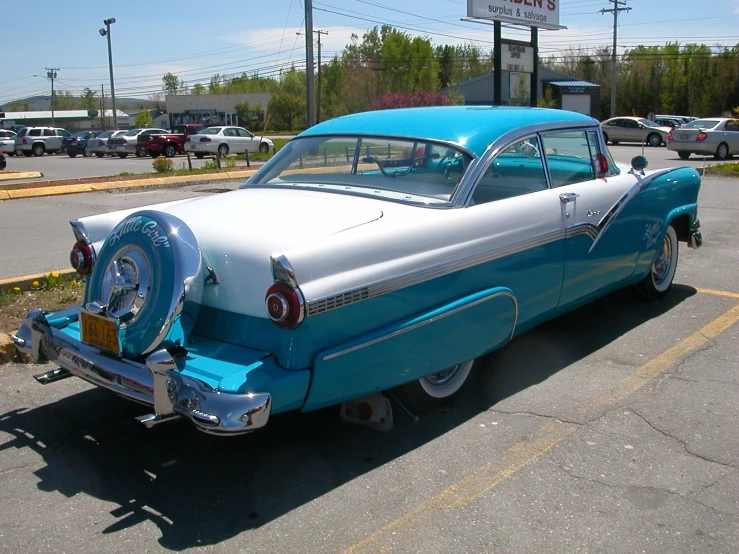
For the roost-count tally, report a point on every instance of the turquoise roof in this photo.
(473, 126)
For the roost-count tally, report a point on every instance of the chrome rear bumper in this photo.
(157, 383)
(695, 239)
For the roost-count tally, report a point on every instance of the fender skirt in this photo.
(427, 343)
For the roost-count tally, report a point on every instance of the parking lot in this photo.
(611, 429)
(61, 166)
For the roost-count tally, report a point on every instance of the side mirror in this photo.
(639, 163)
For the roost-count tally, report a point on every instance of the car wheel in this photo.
(654, 140)
(86, 154)
(684, 155)
(264, 148)
(223, 150)
(140, 153)
(38, 150)
(19, 152)
(170, 151)
(437, 389)
(658, 282)
(100, 154)
(122, 155)
(199, 155)
(154, 154)
(72, 154)
(722, 152)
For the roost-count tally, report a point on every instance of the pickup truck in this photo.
(168, 144)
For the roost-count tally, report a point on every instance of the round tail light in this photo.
(284, 305)
(81, 258)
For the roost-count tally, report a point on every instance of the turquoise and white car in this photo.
(378, 250)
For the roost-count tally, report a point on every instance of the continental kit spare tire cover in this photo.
(149, 275)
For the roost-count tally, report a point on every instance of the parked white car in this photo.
(99, 144)
(226, 140)
(126, 143)
(7, 141)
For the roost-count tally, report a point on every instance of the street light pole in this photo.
(318, 32)
(103, 33)
(51, 74)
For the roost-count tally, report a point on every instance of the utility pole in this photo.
(311, 108)
(318, 94)
(318, 111)
(102, 107)
(106, 33)
(618, 6)
(51, 74)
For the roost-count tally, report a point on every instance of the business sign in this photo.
(534, 13)
(516, 57)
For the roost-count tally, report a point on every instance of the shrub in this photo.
(162, 165)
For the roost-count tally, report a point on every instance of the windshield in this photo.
(410, 170)
(701, 124)
(105, 134)
(133, 132)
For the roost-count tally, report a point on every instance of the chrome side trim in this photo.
(80, 233)
(431, 320)
(344, 298)
(158, 383)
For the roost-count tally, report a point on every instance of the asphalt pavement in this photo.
(610, 429)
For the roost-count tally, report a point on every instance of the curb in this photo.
(26, 282)
(11, 175)
(136, 183)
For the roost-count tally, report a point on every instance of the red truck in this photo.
(168, 144)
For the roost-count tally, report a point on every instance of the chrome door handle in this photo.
(568, 197)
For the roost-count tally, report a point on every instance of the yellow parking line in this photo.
(523, 453)
(719, 293)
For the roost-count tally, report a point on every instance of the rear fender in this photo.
(404, 351)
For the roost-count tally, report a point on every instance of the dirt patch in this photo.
(14, 306)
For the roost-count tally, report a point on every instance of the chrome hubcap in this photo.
(125, 285)
(443, 377)
(661, 268)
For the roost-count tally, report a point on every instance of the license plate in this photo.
(684, 136)
(99, 331)
(113, 146)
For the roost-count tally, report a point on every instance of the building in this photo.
(567, 92)
(72, 120)
(214, 109)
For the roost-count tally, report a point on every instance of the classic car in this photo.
(99, 145)
(715, 136)
(634, 129)
(226, 140)
(379, 250)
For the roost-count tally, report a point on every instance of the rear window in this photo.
(210, 131)
(701, 124)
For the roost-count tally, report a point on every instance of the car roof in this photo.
(472, 126)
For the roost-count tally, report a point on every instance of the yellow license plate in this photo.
(99, 331)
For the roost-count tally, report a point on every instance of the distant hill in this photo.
(43, 102)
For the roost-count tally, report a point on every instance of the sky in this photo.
(196, 39)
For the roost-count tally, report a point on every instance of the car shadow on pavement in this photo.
(202, 490)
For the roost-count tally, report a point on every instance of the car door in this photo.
(603, 227)
(234, 141)
(251, 143)
(615, 130)
(52, 139)
(515, 212)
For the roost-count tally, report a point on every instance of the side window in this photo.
(732, 125)
(515, 171)
(569, 157)
(244, 133)
(34, 133)
(229, 132)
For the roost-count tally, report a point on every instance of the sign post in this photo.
(511, 55)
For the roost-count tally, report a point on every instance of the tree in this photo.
(391, 100)
(288, 110)
(63, 100)
(143, 119)
(249, 114)
(171, 84)
(197, 88)
(88, 100)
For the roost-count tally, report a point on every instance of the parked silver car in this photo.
(99, 145)
(716, 136)
(634, 129)
(7, 141)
